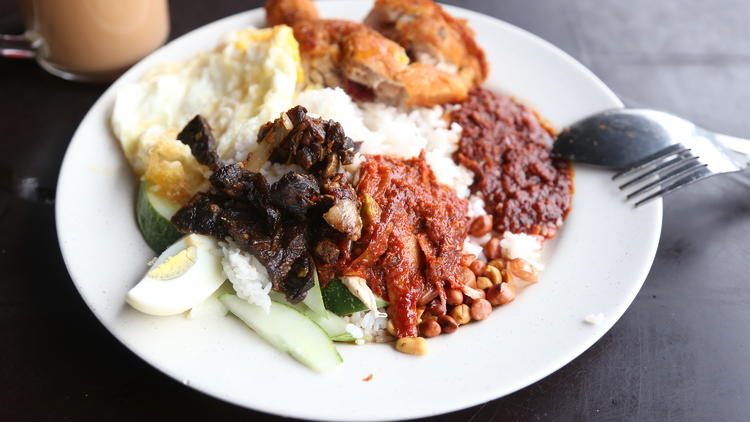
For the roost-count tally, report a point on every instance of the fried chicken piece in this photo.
(431, 36)
(427, 85)
(320, 49)
(368, 65)
(290, 12)
(371, 60)
(365, 63)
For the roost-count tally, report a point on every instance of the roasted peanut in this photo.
(523, 270)
(420, 311)
(477, 267)
(495, 276)
(429, 328)
(461, 314)
(447, 324)
(436, 307)
(412, 345)
(467, 259)
(480, 309)
(470, 295)
(483, 283)
(390, 328)
(454, 296)
(467, 277)
(501, 294)
(492, 248)
(498, 263)
(481, 226)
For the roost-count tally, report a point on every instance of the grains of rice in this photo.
(476, 205)
(248, 277)
(355, 331)
(594, 319)
(390, 130)
(474, 247)
(274, 171)
(524, 246)
(371, 325)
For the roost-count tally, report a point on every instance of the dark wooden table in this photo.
(680, 352)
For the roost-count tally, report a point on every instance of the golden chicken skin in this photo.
(289, 11)
(431, 36)
(359, 59)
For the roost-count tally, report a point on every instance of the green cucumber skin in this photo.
(331, 323)
(314, 297)
(339, 300)
(157, 234)
(344, 338)
(288, 330)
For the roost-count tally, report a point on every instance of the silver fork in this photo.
(676, 166)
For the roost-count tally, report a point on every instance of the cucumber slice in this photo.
(332, 324)
(288, 330)
(339, 300)
(153, 214)
(314, 297)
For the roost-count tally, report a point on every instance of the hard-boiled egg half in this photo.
(183, 276)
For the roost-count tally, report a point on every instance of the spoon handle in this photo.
(733, 143)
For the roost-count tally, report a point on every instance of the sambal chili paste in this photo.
(509, 150)
(413, 234)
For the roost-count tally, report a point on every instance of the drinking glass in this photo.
(88, 40)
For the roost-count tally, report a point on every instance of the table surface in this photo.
(679, 353)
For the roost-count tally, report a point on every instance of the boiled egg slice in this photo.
(183, 276)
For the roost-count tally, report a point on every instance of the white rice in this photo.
(399, 132)
(594, 319)
(371, 325)
(524, 246)
(473, 245)
(275, 171)
(476, 205)
(248, 277)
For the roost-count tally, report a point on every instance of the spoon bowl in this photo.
(618, 138)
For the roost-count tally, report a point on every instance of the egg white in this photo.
(189, 280)
(246, 81)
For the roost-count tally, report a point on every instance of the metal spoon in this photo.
(620, 137)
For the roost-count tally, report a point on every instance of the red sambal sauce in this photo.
(509, 149)
(413, 234)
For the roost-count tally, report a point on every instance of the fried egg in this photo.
(249, 79)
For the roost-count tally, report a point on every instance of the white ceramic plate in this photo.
(597, 264)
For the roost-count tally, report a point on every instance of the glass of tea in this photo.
(88, 40)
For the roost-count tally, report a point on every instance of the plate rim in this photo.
(457, 404)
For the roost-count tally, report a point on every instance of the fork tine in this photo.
(687, 180)
(666, 165)
(666, 152)
(669, 177)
